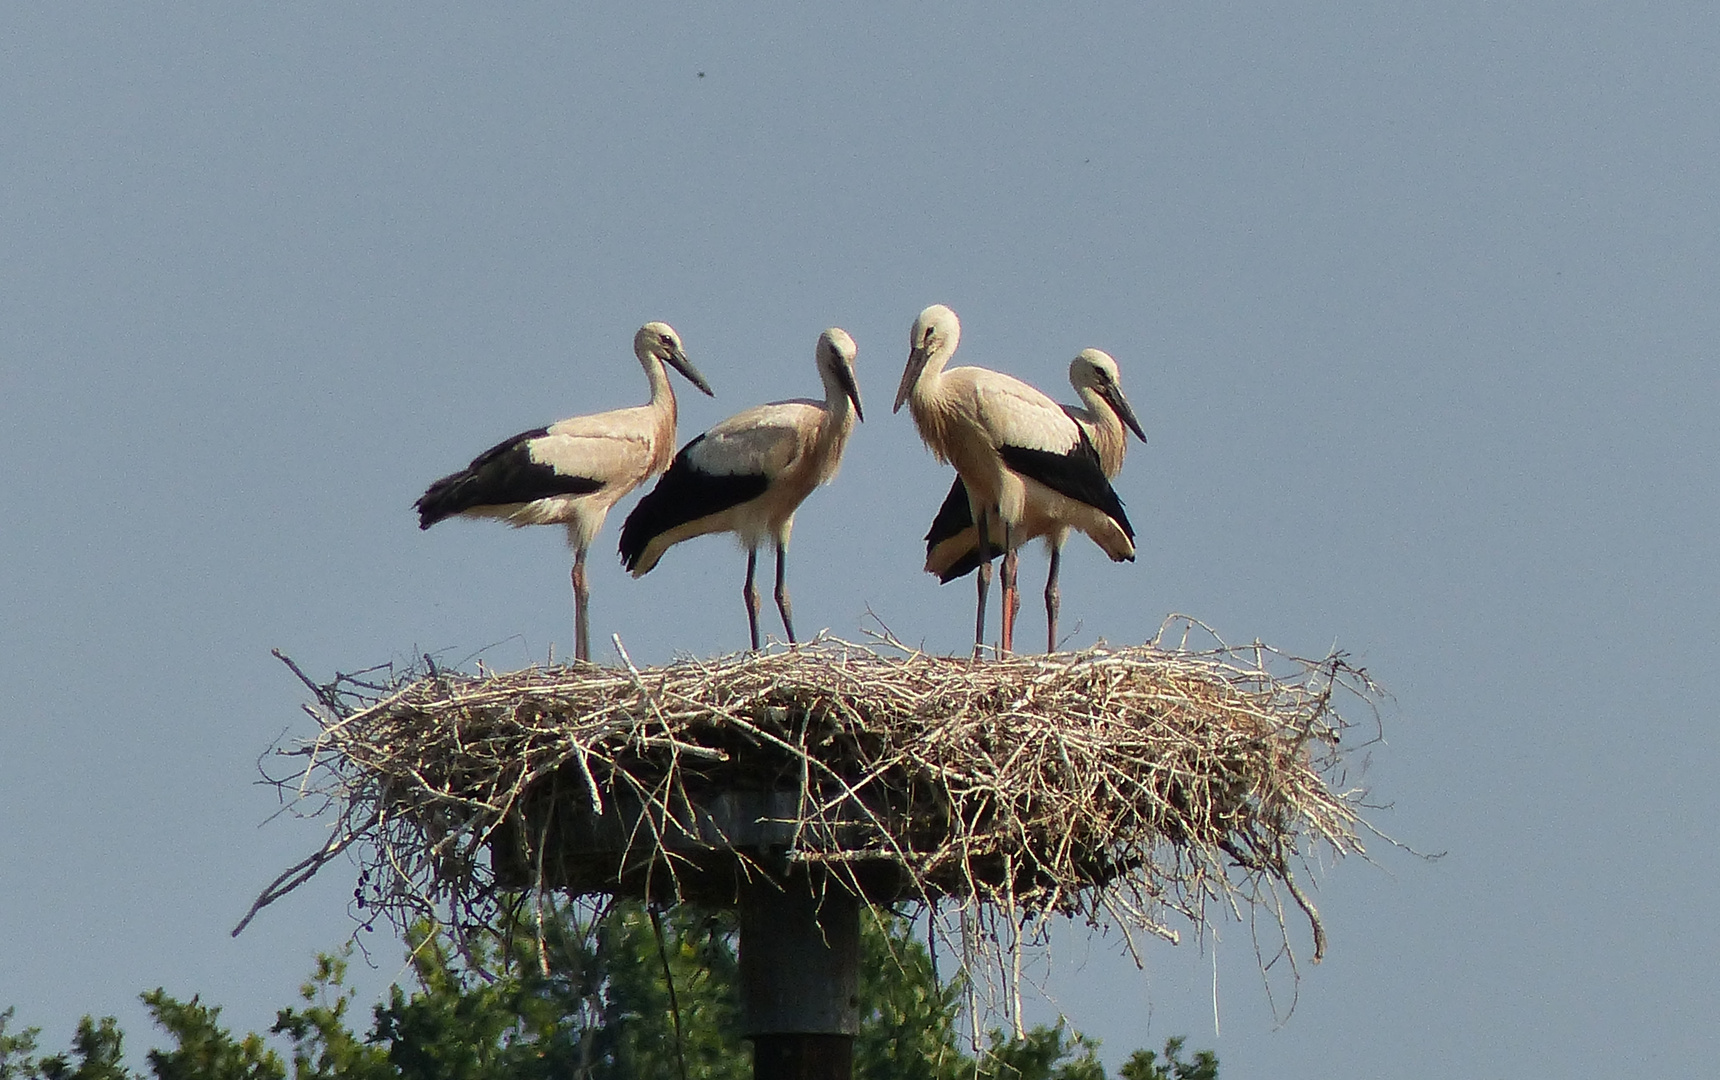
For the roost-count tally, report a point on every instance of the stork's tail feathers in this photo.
(961, 567)
(441, 501)
(637, 531)
(952, 543)
(1117, 542)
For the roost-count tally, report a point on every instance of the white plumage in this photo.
(1004, 438)
(749, 474)
(1105, 416)
(571, 472)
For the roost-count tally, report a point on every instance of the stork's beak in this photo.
(851, 387)
(910, 375)
(1113, 395)
(678, 360)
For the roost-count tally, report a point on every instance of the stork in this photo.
(1006, 439)
(952, 547)
(571, 472)
(749, 474)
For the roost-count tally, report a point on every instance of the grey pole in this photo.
(800, 978)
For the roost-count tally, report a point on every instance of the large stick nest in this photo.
(1118, 785)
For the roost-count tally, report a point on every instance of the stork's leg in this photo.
(782, 592)
(1053, 598)
(581, 619)
(750, 595)
(1011, 595)
(983, 574)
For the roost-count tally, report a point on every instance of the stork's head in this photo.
(836, 352)
(934, 338)
(658, 341)
(1096, 371)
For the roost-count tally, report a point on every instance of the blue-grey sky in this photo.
(1417, 304)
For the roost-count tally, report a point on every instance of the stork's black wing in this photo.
(954, 517)
(684, 493)
(503, 475)
(1075, 474)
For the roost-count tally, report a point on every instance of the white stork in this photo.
(749, 474)
(1006, 439)
(952, 546)
(573, 471)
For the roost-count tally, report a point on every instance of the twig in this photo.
(669, 981)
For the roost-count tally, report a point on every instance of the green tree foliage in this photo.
(907, 1015)
(586, 1000)
(324, 1046)
(17, 1052)
(205, 1049)
(1146, 1065)
(97, 1049)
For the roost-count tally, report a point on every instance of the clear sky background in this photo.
(1416, 302)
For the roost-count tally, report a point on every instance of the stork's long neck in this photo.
(662, 393)
(833, 431)
(838, 411)
(930, 382)
(1106, 430)
(930, 410)
(664, 413)
(836, 400)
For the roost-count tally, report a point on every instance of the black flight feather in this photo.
(954, 516)
(1076, 475)
(683, 494)
(503, 475)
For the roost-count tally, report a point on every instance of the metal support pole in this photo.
(800, 978)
